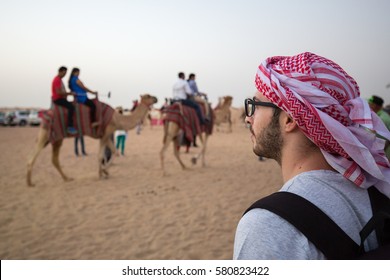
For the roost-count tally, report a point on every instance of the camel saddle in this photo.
(187, 119)
(55, 120)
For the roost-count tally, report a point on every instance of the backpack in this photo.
(324, 233)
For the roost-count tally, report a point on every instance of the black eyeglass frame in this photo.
(255, 103)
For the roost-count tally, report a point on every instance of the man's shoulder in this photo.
(320, 186)
(262, 234)
(179, 83)
(56, 80)
(321, 177)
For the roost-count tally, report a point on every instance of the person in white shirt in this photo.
(181, 92)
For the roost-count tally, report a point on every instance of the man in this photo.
(308, 116)
(181, 92)
(376, 104)
(198, 95)
(58, 96)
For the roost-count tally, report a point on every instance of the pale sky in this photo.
(138, 46)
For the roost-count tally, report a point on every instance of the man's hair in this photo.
(376, 100)
(276, 114)
(192, 75)
(181, 75)
(62, 68)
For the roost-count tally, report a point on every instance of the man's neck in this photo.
(296, 160)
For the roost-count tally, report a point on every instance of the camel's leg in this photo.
(101, 157)
(106, 164)
(106, 141)
(171, 130)
(204, 146)
(162, 153)
(230, 122)
(203, 141)
(102, 145)
(41, 143)
(176, 144)
(55, 159)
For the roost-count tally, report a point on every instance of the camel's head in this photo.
(148, 99)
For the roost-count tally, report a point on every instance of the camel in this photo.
(118, 121)
(222, 112)
(172, 133)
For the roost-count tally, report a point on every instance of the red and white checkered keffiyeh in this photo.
(325, 102)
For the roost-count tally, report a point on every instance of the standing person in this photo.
(58, 97)
(82, 146)
(199, 96)
(309, 117)
(81, 94)
(376, 104)
(181, 92)
(120, 137)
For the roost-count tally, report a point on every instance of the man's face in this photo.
(62, 73)
(265, 129)
(374, 107)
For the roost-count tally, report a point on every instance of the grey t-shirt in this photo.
(262, 234)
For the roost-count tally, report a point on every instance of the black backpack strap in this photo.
(325, 234)
(380, 221)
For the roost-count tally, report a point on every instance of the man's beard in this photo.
(269, 142)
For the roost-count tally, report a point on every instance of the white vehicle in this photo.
(19, 117)
(33, 118)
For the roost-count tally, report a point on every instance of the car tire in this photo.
(22, 123)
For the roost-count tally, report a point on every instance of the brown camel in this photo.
(118, 122)
(222, 113)
(172, 132)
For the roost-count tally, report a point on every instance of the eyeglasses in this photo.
(251, 103)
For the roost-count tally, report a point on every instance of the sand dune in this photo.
(136, 213)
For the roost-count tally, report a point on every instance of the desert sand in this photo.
(136, 213)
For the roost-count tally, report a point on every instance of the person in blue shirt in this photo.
(199, 96)
(81, 91)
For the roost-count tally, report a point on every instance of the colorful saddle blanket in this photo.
(55, 120)
(187, 120)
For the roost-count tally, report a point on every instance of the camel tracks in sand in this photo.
(159, 190)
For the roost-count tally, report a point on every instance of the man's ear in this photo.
(288, 123)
